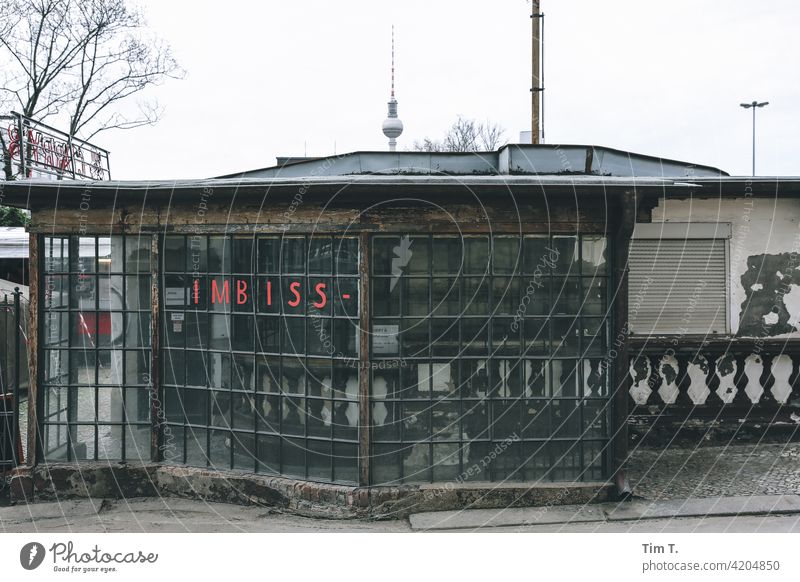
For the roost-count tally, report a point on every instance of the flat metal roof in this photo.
(512, 159)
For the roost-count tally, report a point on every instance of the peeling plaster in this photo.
(771, 318)
(764, 311)
(759, 226)
(792, 301)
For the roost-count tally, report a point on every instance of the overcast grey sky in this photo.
(284, 78)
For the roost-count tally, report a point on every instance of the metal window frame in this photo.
(43, 391)
(580, 358)
(285, 356)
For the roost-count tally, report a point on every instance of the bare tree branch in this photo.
(81, 59)
(465, 135)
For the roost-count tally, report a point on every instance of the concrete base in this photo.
(21, 488)
(104, 480)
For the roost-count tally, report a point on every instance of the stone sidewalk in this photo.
(714, 471)
(689, 488)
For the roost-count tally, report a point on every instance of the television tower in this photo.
(392, 126)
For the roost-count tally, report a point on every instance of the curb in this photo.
(606, 512)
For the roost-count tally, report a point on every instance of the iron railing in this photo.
(36, 150)
(14, 379)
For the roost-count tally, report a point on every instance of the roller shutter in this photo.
(678, 286)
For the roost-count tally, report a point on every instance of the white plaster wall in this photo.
(759, 226)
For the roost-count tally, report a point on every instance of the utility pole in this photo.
(754, 105)
(536, 88)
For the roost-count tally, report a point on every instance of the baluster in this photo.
(697, 369)
(754, 369)
(668, 370)
(726, 368)
(782, 367)
(640, 370)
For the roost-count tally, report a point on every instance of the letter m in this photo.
(216, 296)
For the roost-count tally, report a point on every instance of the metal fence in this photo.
(14, 379)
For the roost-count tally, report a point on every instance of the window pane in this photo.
(568, 295)
(56, 254)
(448, 254)
(345, 252)
(137, 253)
(345, 338)
(85, 260)
(219, 254)
(595, 291)
(174, 254)
(243, 255)
(385, 297)
(414, 252)
(505, 295)
(475, 336)
(475, 297)
(593, 249)
(537, 342)
(414, 338)
(476, 255)
(445, 337)
(566, 250)
(320, 254)
(293, 256)
(269, 255)
(268, 333)
(415, 296)
(197, 255)
(345, 296)
(445, 297)
(506, 256)
(319, 299)
(383, 255)
(540, 258)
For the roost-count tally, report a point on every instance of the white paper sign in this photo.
(175, 296)
(384, 339)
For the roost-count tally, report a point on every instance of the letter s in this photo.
(323, 298)
(294, 289)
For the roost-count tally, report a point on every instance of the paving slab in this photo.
(607, 512)
(706, 506)
(64, 510)
(522, 516)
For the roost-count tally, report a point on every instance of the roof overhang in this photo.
(37, 195)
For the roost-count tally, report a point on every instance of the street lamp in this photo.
(753, 106)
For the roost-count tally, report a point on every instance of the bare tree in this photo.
(428, 145)
(78, 59)
(465, 135)
(491, 136)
